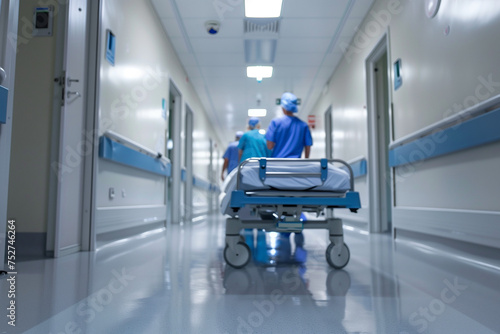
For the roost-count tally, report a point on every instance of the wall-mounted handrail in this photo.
(468, 113)
(136, 146)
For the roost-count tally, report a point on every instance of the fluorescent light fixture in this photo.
(259, 72)
(257, 112)
(263, 8)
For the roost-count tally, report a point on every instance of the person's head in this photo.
(254, 123)
(238, 135)
(289, 102)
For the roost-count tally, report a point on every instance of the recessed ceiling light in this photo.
(257, 112)
(259, 72)
(263, 8)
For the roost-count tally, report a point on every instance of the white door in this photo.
(9, 13)
(74, 148)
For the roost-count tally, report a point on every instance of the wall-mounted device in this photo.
(110, 47)
(42, 21)
(398, 77)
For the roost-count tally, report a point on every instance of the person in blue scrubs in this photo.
(231, 156)
(253, 144)
(288, 136)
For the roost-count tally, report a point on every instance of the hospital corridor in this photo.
(249, 166)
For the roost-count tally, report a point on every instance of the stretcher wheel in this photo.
(337, 261)
(238, 258)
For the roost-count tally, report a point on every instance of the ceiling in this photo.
(308, 46)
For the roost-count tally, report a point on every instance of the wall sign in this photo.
(110, 47)
(398, 78)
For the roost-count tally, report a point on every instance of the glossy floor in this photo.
(176, 281)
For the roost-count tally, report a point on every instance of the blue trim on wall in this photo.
(359, 168)
(198, 183)
(4, 95)
(116, 152)
(205, 185)
(477, 131)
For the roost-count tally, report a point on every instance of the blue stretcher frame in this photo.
(350, 200)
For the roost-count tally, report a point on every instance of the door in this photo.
(74, 148)
(174, 154)
(379, 136)
(9, 13)
(328, 134)
(188, 164)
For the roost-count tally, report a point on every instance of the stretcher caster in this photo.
(335, 259)
(239, 257)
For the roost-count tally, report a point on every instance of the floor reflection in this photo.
(175, 280)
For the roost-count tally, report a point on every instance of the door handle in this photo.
(70, 94)
(72, 80)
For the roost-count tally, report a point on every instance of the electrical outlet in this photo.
(124, 194)
(111, 193)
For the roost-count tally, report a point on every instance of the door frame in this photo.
(329, 133)
(91, 130)
(188, 164)
(9, 19)
(175, 188)
(376, 202)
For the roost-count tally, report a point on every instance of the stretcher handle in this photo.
(263, 163)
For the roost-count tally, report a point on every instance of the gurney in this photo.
(272, 194)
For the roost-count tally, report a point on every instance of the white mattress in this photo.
(337, 180)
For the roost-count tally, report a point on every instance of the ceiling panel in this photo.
(304, 60)
(314, 8)
(300, 27)
(211, 10)
(303, 45)
(218, 59)
(298, 59)
(219, 45)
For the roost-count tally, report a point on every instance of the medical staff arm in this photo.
(307, 151)
(224, 167)
(270, 145)
(240, 153)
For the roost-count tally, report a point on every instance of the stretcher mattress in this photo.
(338, 180)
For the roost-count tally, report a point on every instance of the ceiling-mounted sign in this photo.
(278, 102)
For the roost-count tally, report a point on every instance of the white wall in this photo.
(131, 94)
(442, 74)
(32, 124)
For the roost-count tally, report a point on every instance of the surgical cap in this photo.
(289, 102)
(239, 134)
(253, 121)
